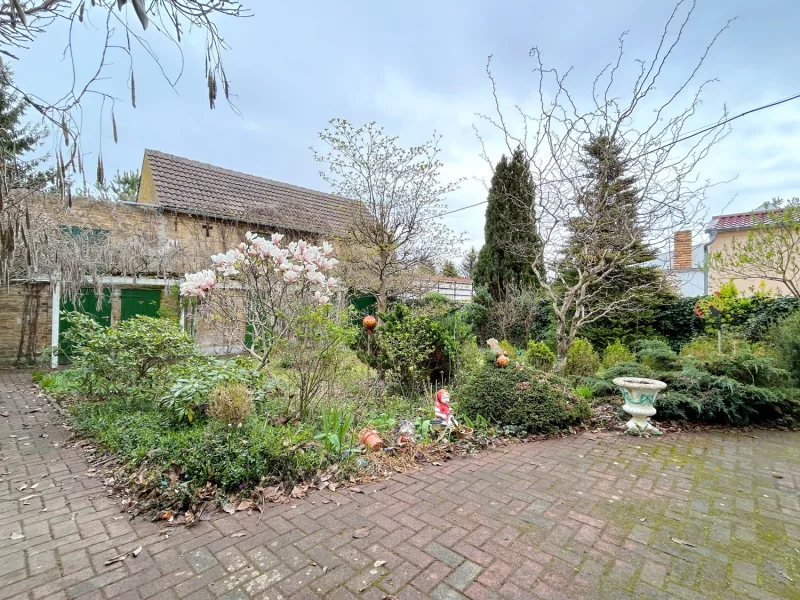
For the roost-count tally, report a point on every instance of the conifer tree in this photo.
(18, 140)
(449, 269)
(510, 233)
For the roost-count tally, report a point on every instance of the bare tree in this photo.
(396, 197)
(120, 22)
(575, 206)
(770, 251)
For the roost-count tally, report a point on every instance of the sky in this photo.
(418, 67)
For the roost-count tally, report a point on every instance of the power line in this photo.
(664, 147)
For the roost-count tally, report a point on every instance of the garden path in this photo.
(708, 515)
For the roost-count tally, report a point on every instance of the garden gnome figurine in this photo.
(442, 407)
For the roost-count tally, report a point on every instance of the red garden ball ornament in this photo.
(369, 323)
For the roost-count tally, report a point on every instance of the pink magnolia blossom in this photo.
(197, 284)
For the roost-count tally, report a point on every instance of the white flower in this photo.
(327, 247)
(290, 276)
(276, 238)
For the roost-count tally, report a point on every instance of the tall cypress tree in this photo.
(510, 233)
(17, 139)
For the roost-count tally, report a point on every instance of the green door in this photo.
(139, 302)
(88, 305)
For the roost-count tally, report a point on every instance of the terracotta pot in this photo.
(371, 439)
(502, 361)
(465, 433)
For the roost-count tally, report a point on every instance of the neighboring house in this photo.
(722, 230)
(185, 211)
(684, 265)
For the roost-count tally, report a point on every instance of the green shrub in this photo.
(523, 398)
(695, 394)
(785, 338)
(230, 404)
(658, 355)
(418, 345)
(189, 394)
(231, 457)
(582, 360)
(616, 353)
(539, 356)
(132, 356)
(746, 367)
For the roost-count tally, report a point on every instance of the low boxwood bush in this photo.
(539, 356)
(582, 360)
(616, 353)
(524, 398)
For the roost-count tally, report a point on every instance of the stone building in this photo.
(185, 211)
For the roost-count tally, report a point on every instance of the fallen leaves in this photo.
(361, 532)
(683, 543)
(136, 552)
(17, 535)
(229, 507)
(239, 534)
(244, 505)
(379, 563)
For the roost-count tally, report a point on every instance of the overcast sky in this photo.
(418, 66)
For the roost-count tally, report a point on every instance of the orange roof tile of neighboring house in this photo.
(184, 185)
(742, 220)
(445, 278)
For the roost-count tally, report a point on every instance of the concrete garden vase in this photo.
(639, 395)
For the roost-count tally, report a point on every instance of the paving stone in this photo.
(586, 516)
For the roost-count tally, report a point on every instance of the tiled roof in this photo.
(742, 220)
(189, 186)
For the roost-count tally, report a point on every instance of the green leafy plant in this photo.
(785, 337)
(133, 356)
(584, 391)
(189, 395)
(315, 350)
(336, 425)
(230, 403)
(523, 398)
(616, 353)
(540, 356)
(582, 360)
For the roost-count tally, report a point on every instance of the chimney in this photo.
(682, 254)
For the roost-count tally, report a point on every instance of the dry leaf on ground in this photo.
(379, 563)
(361, 532)
(228, 508)
(17, 535)
(683, 543)
(136, 552)
(239, 534)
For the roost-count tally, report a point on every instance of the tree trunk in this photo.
(563, 343)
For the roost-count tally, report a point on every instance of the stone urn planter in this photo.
(639, 394)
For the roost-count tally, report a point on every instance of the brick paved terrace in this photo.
(711, 515)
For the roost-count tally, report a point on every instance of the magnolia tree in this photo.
(257, 292)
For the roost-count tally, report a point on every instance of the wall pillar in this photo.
(116, 304)
(54, 326)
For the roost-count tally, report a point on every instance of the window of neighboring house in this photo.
(90, 233)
